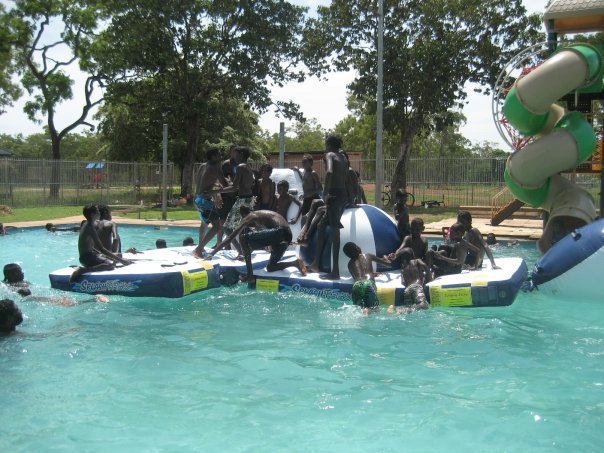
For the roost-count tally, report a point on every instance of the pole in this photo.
(379, 159)
(164, 185)
(282, 145)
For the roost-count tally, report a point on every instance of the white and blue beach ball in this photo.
(370, 228)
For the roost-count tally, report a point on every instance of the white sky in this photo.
(323, 100)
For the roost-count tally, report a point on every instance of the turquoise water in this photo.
(236, 370)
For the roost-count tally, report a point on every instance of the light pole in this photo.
(164, 185)
(379, 159)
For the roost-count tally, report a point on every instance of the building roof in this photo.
(5, 152)
(574, 16)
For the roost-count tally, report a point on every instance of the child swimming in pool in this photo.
(10, 317)
(14, 278)
(360, 266)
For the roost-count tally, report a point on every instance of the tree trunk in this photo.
(192, 125)
(399, 179)
(55, 176)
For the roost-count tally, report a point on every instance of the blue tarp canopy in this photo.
(94, 165)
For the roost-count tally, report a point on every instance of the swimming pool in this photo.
(236, 370)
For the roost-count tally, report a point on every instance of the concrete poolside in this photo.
(529, 229)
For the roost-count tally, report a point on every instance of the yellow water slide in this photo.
(563, 139)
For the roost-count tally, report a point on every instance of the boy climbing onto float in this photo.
(94, 256)
(258, 230)
(360, 266)
(414, 297)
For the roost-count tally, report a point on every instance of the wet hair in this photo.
(244, 151)
(104, 212)
(161, 244)
(188, 241)
(49, 226)
(491, 239)
(351, 250)
(10, 316)
(13, 273)
(307, 157)
(464, 216)
(89, 210)
(333, 142)
(283, 183)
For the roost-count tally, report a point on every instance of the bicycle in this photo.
(387, 197)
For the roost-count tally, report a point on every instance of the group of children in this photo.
(464, 247)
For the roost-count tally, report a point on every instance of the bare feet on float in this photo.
(330, 276)
(312, 269)
(196, 253)
(79, 271)
(302, 267)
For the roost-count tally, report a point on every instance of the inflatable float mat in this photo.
(570, 268)
(170, 272)
(481, 288)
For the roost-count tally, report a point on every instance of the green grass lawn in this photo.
(180, 213)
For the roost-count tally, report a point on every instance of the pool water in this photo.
(236, 370)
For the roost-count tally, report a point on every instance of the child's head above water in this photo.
(10, 316)
(13, 273)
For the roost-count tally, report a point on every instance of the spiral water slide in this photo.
(563, 139)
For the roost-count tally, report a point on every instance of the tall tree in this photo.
(199, 50)
(9, 91)
(302, 136)
(134, 111)
(432, 49)
(56, 34)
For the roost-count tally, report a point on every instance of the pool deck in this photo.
(512, 228)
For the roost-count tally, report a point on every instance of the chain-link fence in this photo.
(29, 182)
(452, 182)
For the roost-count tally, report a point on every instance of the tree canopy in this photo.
(52, 36)
(198, 52)
(432, 49)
